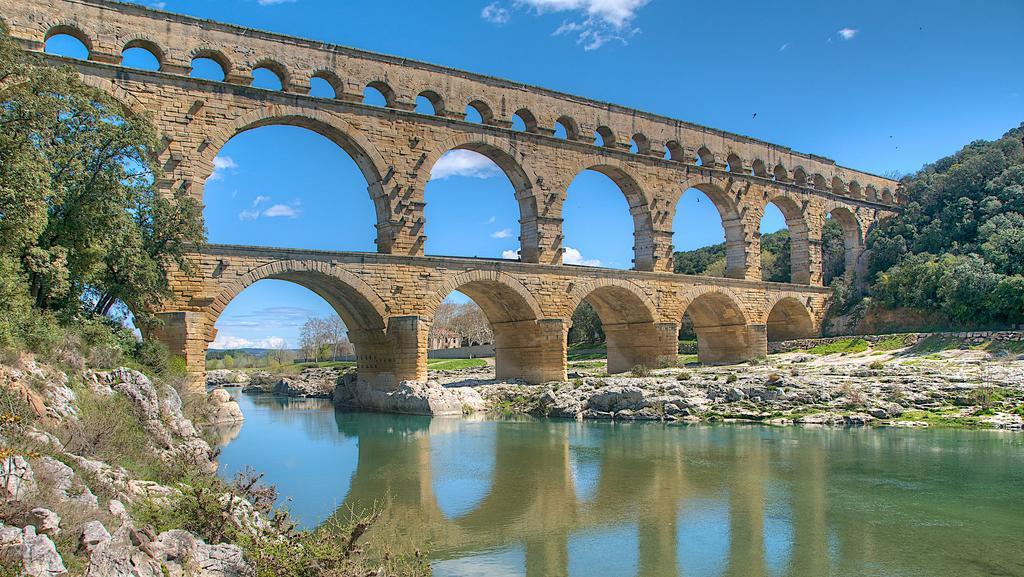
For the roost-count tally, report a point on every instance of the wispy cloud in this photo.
(510, 254)
(224, 341)
(282, 210)
(847, 33)
(784, 47)
(256, 210)
(464, 163)
(495, 14)
(573, 256)
(596, 23)
(503, 233)
(222, 165)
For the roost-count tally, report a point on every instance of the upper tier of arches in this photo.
(175, 41)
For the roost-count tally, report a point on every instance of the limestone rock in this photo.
(224, 409)
(65, 485)
(45, 521)
(312, 382)
(17, 479)
(410, 397)
(93, 535)
(616, 398)
(226, 378)
(35, 554)
(133, 553)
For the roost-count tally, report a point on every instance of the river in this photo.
(508, 497)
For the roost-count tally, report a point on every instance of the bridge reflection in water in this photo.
(549, 498)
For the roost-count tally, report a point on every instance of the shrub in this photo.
(732, 378)
(640, 371)
(848, 345)
(877, 365)
(684, 376)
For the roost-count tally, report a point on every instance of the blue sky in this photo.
(876, 85)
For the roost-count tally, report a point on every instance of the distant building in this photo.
(442, 338)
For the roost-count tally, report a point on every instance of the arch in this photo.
(385, 91)
(435, 100)
(604, 137)
(838, 186)
(621, 300)
(718, 318)
(758, 168)
(642, 144)
(628, 318)
(501, 296)
(887, 196)
(853, 236)
(504, 154)
(72, 30)
(529, 120)
(331, 79)
(149, 46)
(675, 151)
(788, 319)
(732, 224)
(800, 176)
(799, 237)
(355, 301)
(275, 68)
(856, 191)
(214, 55)
(871, 193)
(705, 157)
(819, 182)
(780, 173)
(639, 207)
(572, 129)
(362, 151)
(483, 109)
(734, 163)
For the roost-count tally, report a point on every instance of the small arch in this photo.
(887, 196)
(270, 75)
(480, 112)
(800, 176)
(758, 168)
(721, 326)
(734, 163)
(604, 137)
(780, 173)
(67, 40)
(378, 93)
(430, 102)
(856, 191)
(324, 84)
(674, 151)
(871, 193)
(142, 53)
(524, 121)
(568, 127)
(627, 317)
(819, 182)
(838, 186)
(212, 65)
(789, 319)
(705, 157)
(640, 144)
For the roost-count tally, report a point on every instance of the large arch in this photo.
(724, 334)
(716, 190)
(799, 236)
(639, 205)
(629, 319)
(853, 236)
(367, 158)
(505, 155)
(789, 319)
(524, 347)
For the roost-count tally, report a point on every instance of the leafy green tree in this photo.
(80, 216)
(1002, 238)
(586, 325)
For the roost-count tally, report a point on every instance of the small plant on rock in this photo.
(732, 378)
(640, 371)
(684, 376)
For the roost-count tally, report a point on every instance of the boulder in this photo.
(35, 554)
(312, 382)
(177, 553)
(410, 397)
(93, 535)
(616, 398)
(223, 409)
(64, 485)
(45, 521)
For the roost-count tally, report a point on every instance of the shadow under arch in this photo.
(735, 244)
(505, 155)
(521, 340)
(790, 319)
(639, 207)
(629, 319)
(367, 158)
(722, 327)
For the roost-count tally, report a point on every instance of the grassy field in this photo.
(454, 364)
(843, 346)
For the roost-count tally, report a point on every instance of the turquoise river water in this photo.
(508, 497)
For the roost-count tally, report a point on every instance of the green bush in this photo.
(847, 345)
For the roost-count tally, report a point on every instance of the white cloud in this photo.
(848, 33)
(510, 254)
(597, 23)
(282, 210)
(222, 165)
(224, 341)
(503, 233)
(495, 14)
(464, 163)
(573, 256)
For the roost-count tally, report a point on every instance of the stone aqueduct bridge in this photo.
(388, 298)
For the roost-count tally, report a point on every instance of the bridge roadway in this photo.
(389, 301)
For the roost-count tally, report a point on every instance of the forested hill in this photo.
(956, 252)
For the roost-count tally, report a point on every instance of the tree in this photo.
(586, 325)
(81, 217)
(466, 320)
(228, 361)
